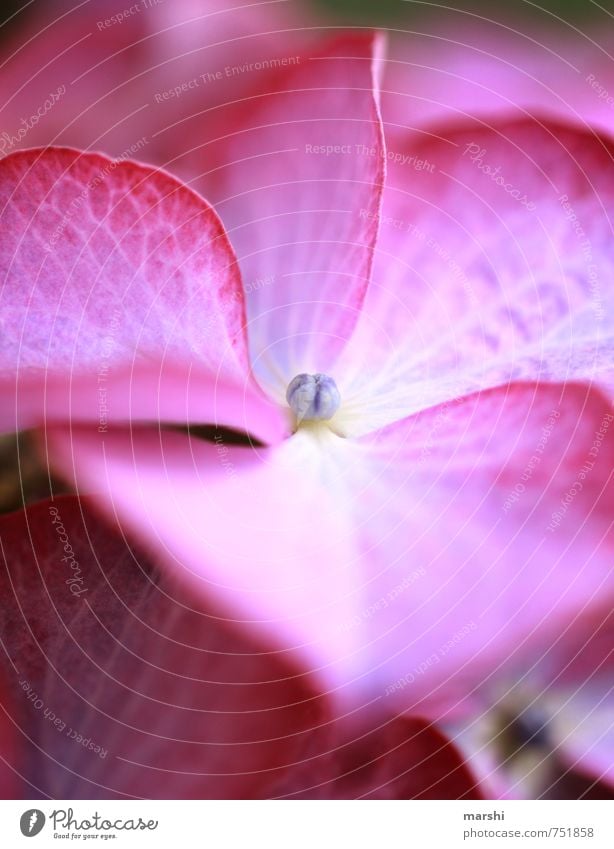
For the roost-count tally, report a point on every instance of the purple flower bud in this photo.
(313, 397)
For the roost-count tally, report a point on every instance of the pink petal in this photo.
(291, 189)
(235, 524)
(114, 276)
(405, 569)
(126, 688)
(135, 85)
(508, 499)
(477, 283)
(460, 64)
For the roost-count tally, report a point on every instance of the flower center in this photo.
(313, 397)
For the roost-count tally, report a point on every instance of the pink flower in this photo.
(449, 528)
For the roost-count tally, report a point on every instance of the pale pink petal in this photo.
(110, 270)
(124, 687)
(289, 178)
(493, 264)
(405, 569)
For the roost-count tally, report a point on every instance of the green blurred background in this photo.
(389, 12)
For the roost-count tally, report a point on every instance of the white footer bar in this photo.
(308, 824)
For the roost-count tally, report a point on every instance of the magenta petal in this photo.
(493, 264)
(109, 269)
(406, 568)
(298, 184)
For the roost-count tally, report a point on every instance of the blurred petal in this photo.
(404, 569)
(580, 700)
(402, 759)
(112, 272)
(493, 264)
(297, 163)
(461, 64)
(544, 726)
(173, 702)
(99, 77)
(236, 523)
(181, 394)
(126, 689)
(508, 495)
(10, 780)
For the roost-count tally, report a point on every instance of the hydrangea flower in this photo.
(449, 526)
